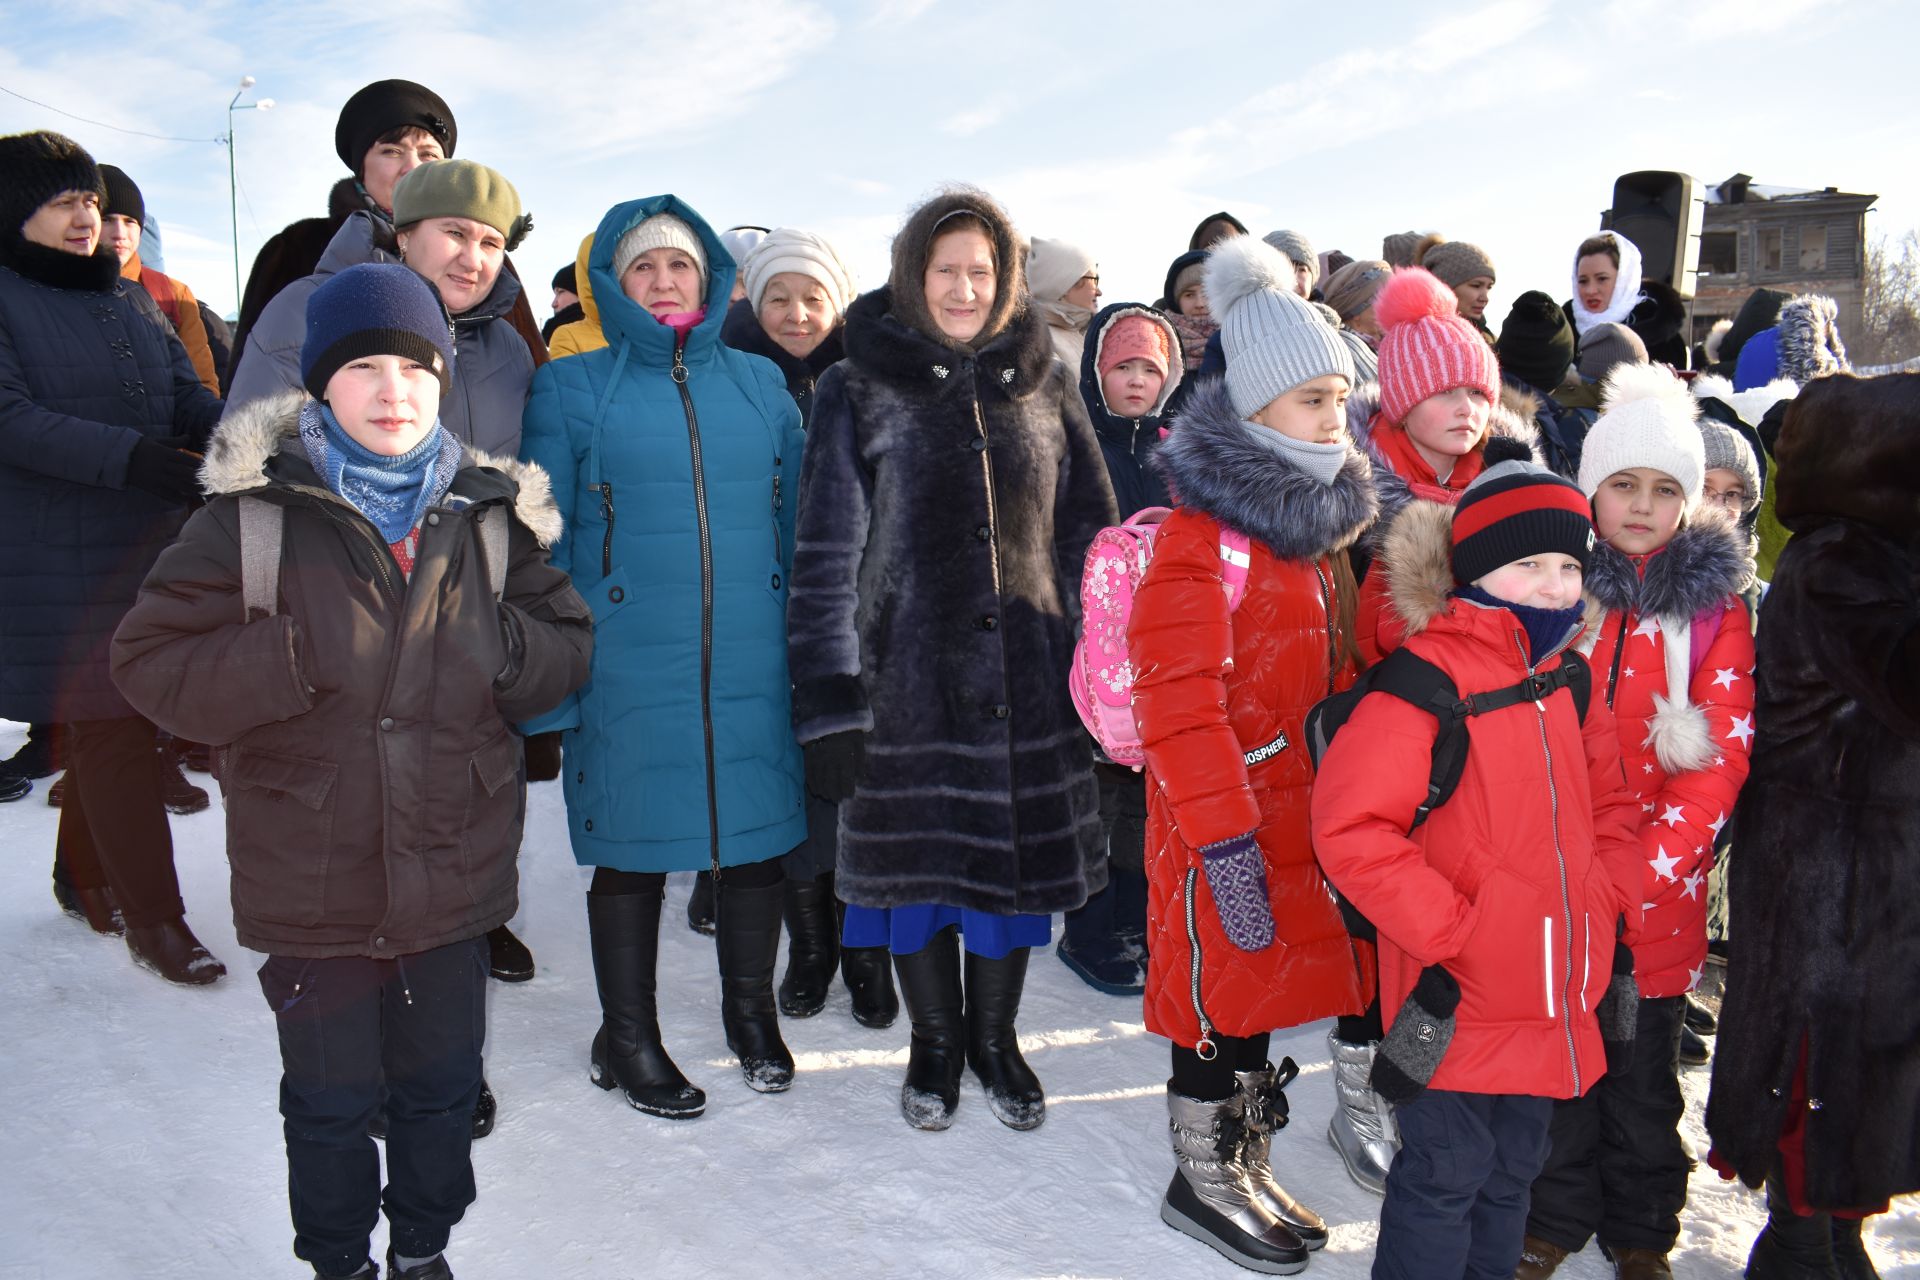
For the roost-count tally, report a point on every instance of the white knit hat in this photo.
(1054, 267)
(661, 231)
(803, 252)
(1273, 339)
(1649, 419)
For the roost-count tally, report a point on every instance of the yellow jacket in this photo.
(578, 336)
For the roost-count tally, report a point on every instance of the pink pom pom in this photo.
(1413, 293)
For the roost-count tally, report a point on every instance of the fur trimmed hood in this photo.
(1416, 553)
(914, 243)
(247, 441)
(1213, 466)
(1708, 560)
(1810, 345)
(1363, 409)
(1016, 362)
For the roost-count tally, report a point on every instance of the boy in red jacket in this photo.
(1498, 917)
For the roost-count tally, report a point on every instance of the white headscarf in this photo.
(1626, 287)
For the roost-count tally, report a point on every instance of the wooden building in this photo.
(1794, 239)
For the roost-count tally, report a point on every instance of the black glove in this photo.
(1619, 1011)
(833, 764)
(163, 471)
(514, 640)
(1418, 1038)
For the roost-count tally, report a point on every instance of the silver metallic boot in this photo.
(1210, 1198)
(1264, 1103)
(1363, 1129)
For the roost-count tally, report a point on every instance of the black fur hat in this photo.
(36, 167)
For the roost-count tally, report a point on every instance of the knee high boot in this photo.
(1850, 1258)
(869, 979)
(930, 984)
(1790, 1246)
(623, 931)
(747, 927)
(812, 945)
(993, 989)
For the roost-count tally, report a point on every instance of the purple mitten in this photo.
(1237, 875)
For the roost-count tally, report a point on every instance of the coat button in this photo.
(386, 724)
(589, 824)
(983, 532)
(379, 942)
(776, 582)
(617, 594)
(433, 517)
(1001, 711)
(978, 444)
(580, 776)
(989, 622)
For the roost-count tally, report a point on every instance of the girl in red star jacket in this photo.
(1498, 916)
(1672, 655)
(1244, 936)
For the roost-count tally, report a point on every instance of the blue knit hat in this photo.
(374, 309)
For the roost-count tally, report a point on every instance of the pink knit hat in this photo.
(1135, 337)
(1426, 348)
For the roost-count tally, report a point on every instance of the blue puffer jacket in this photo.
(88, 366)
(677, 486)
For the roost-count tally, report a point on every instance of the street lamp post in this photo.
(233, 176)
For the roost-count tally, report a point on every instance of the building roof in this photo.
(1742, 189)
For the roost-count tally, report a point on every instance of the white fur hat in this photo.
(1647, 419)
(802, 252)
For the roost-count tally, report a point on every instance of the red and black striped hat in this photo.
(1516, 509)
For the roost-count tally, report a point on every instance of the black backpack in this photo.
(1411, 678)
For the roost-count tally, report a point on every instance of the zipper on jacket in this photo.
(1560, 858)
(706, 597)
(1619, 652)
(606, 544)
(1205, 1049)
(1333, 643)
(999, 603)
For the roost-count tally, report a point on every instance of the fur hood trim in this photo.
(1416, 554)
(1213, 466)
(1016, 362)
(1363, 409)
(914, 243)
(1707, 561)
(250, 437)
(1810, 345)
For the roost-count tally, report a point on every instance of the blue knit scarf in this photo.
(394, 492)
(1547, 629)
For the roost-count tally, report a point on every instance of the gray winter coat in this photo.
(374, 791)
(946, 504)
(88, 366)
(492, 368)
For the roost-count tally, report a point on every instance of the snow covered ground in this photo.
(145, 1142)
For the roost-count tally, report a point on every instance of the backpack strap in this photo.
(262, 529)
(494, 527)
(1579, 673)
(1411, 678)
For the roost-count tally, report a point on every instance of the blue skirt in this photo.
(905, 930)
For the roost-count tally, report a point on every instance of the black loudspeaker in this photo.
(1661, 212)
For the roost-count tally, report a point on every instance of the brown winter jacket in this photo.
(373, 780)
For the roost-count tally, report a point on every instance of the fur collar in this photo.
(57, 269)
(1015, 363)
(248, 440)
(1707, 561)
(1363, 408)
(1416, 554)
(345, 199)
(1213, 467)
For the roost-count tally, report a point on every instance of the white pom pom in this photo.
(1630, 382)
(1242, 266)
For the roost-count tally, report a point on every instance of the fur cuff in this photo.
(830, 704)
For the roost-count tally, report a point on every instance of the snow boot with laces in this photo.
(1211, 1198)
(1264, 1099)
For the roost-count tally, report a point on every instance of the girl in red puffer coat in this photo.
(1245, 937)
(1672, 655)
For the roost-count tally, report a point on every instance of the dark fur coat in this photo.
(946, 503)
(1825, 878)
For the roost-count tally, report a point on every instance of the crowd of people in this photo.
(1486, 684)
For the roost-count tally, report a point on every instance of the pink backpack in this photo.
(1101, 679)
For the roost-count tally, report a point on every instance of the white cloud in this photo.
(897, 13)
(965, 124)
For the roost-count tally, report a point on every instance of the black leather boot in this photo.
(930, 983)
(95, 906)
(700, 904)
(1850, 1258)
(508, 959)
(747, 923)
(1791, 1247)
(993, 1046)
(869, 980)
(813, 947)
(624, 933)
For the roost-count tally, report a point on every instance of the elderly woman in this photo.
(793, 311)
(674, 460)
(98, 403)
(952, 485)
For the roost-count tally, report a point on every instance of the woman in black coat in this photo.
(797, 291)
(98, 407)
(951, 485)
(1816, 1085)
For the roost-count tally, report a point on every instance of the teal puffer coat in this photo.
(675, 472)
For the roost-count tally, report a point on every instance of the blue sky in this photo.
(1117, 125)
